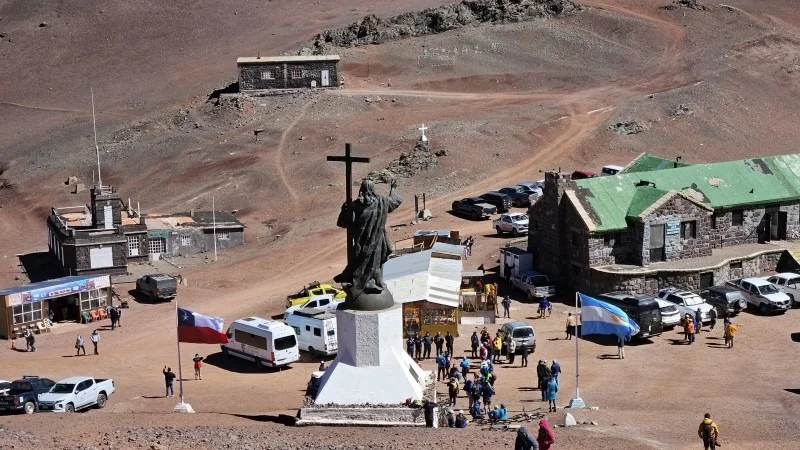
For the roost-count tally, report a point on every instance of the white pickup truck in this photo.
(76, 393)
(762, 294)
(513, 223)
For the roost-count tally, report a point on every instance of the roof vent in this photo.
(258, 55)
(645, 183)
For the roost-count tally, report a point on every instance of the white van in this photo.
(267, 343)
(315, 330)
(610, 170)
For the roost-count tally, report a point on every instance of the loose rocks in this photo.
(569, 420)
(408, 165)
(629, 127)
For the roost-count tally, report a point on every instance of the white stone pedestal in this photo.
(371, 366)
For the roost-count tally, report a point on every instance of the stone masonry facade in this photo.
(288, 75)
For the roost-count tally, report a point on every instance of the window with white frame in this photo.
(133, 245)
(296, 74)
(223, 235)
(27, 312)
(157, 245)
(93, 299)
(267, 75)
(186, 239)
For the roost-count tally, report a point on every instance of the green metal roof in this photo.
(648, 163)
(609, 200)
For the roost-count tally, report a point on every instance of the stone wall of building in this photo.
(83, 263)
(652, 282)
(674, 212)
(294, 75)
(547, 235)
(725, 234)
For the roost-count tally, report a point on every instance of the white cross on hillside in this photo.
(423, 138)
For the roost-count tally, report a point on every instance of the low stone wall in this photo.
(650, 282)
(365, 416)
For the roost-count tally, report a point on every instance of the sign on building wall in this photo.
(61, 290)
(673, 227)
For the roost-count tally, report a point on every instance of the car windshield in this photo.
(62, 388)
(767, 289)
(519, 217)
(522, 332)
(20, 387)
(693, 300)
(669, 309)
(540, 281)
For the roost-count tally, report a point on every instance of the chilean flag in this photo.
(199, 329)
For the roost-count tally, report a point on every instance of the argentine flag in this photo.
(602, 318)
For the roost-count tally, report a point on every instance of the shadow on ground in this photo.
(281, 419)
(238, 365)
(40, 266)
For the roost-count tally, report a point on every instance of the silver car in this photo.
(670, 316)
(520, 332)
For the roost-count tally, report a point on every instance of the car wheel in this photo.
(259, 364)
(70, 408)
(531, 297)
(514, 232)
(762, 308)
(499, 231)
(474, 215)
(311, 350)
(225, 352)
(101, 401)
(29, 407)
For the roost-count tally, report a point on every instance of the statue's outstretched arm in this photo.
(394, 199)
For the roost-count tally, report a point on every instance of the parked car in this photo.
(4, 387)
(501, 201)
(23, 394)
(643, 309)
(513, 223)
(581, 174)
(611, 170)
(315, 330)
(533, 190)
(323, 302)
(474, 207)
(157, 286)
(670, 316)
(519, 197)
(726, 299)
(762, 294)
(314, 289)
(534, 285)
(788, 283)
(520, 332)
(267, 343)
(687, 302)
(76, 393)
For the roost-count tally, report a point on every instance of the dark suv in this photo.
(23, 394)
(519, 196)
(157, 286)
(725, 299)
(500, 200)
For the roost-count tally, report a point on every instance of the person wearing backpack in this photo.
(464, 367)
(469, 385)
(708, 432)
(488, 391)
(441, 364)
(555, 370)
(452, 389)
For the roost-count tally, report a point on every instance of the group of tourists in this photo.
(692, 326)
(419, 347)
(545, 308)
(548, 382)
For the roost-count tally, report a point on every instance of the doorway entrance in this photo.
(657, 252)
(326, 81)
(773, 226)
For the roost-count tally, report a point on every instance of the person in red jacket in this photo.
(198, 364)
(546, 438)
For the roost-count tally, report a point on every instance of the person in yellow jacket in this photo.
(708, 432)
(730, 332)
(497, 345)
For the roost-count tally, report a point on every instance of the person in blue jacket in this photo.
(551, 393)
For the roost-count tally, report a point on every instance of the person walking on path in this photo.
(198, 364)
(546, 438)
(690, 330)
(542, 307)
(488, 391)
(570, 325)
(698, 321)
(555, 370)
(506, 307)
(686, 321)
(119, 316)
(27, 335)
(464, 367)
(523, 351)
(449, 340)
(730, 332)
(497, 348)
(79, 346)
(452, 390)
(712, 316)
(708, 432)
(114, 315)
(95, 338)
(524, 440)
(169, 378)
(426, 344)
(621, 347)
(441, 363)
(475, 342)
(512, 350)
(544, 374)
(551, 392)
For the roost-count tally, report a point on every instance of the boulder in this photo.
(569, 420)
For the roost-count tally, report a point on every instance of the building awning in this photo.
(422, 276)
(58, 287)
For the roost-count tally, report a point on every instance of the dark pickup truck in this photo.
(474, 208)
(157, 286)
(24, 394)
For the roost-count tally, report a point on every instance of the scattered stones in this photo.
(594, 423)
(569, 420)
(408, 165)
(440, 152)
(681, 110)
(78, 188)
(691, 4)
(595, 408)
(629, 127)
(43, 24)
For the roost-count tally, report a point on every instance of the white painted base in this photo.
(183, 408)
(576, 403)
(371, 366)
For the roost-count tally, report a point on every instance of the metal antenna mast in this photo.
(96, 147)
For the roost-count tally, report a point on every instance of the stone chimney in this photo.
(106, 207)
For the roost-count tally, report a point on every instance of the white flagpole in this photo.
(96, 147)
(180, 407)
(576, 402)
(214, 219)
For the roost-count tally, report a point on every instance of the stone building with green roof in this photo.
(661, 223)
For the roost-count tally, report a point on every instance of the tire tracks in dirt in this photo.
(282, 146)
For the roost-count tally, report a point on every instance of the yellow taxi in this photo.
(313, 290)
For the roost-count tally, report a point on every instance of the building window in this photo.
(93, 299)
(27, 312)
(737, 218)
(689, 230)
(157, 245)
(186, 239)
(714, 222)
(296, 74)
(223, 235)
(267, 75)
(608, 241)
(133, 246)
(736, 265)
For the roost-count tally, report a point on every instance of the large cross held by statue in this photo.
(348, 160)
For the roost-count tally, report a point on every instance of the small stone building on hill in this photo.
(660, 224)
(287, 72)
